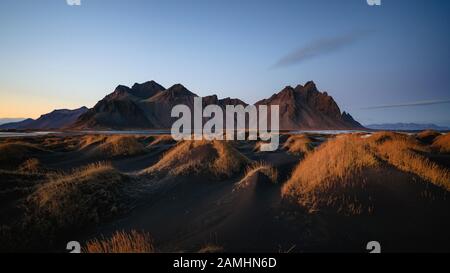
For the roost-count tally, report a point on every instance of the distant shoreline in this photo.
(39, 133)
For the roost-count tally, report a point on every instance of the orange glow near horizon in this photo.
(20, 106)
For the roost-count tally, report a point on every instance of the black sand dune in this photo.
(179, 194)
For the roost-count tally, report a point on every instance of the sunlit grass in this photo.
(122, 242)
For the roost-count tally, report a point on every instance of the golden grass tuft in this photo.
(211, 248)
(217, 158)
(122, 242)
(121, 146)
(63, 144)
(161, 140)
(442, 143)
(381, 137)
(258, 144)
(113, 145)
(13, 154)
(344, 172)
(299, 144)
(16, 185)
(257, 147)
(32, 165)
(89, 140)
(70, 200)
(407, 155)
(428, 136)
(326, 178)
(260, 167)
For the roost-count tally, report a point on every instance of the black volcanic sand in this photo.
(186, 213)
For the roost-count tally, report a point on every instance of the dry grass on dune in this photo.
(217, 158)
(161, 140)
(257, 168)
(89, 140)
(16, 185)
(407, 154)
(121, 146)
(70, 200)
(258, 144)
(326, 178)
(122, 242)
(299, 144)
(442, 143)
(344, 172)
(113, 145)
(381, 137)
(428, 136)
(211, 248)
(13, 154)
(32, 165)
(58, 143)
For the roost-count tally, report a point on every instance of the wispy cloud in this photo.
(320, 47)
(408, 104)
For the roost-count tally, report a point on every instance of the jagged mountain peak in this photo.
(310, 85)
(232, 101)
(305, 107)
(146, 89)
(180, 90)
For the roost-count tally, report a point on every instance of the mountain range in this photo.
(407, 127)
(148, 106)
(57, 119)
(10, 120)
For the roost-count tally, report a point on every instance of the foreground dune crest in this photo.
(217, 158)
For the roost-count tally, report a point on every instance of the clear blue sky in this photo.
(58, 56)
